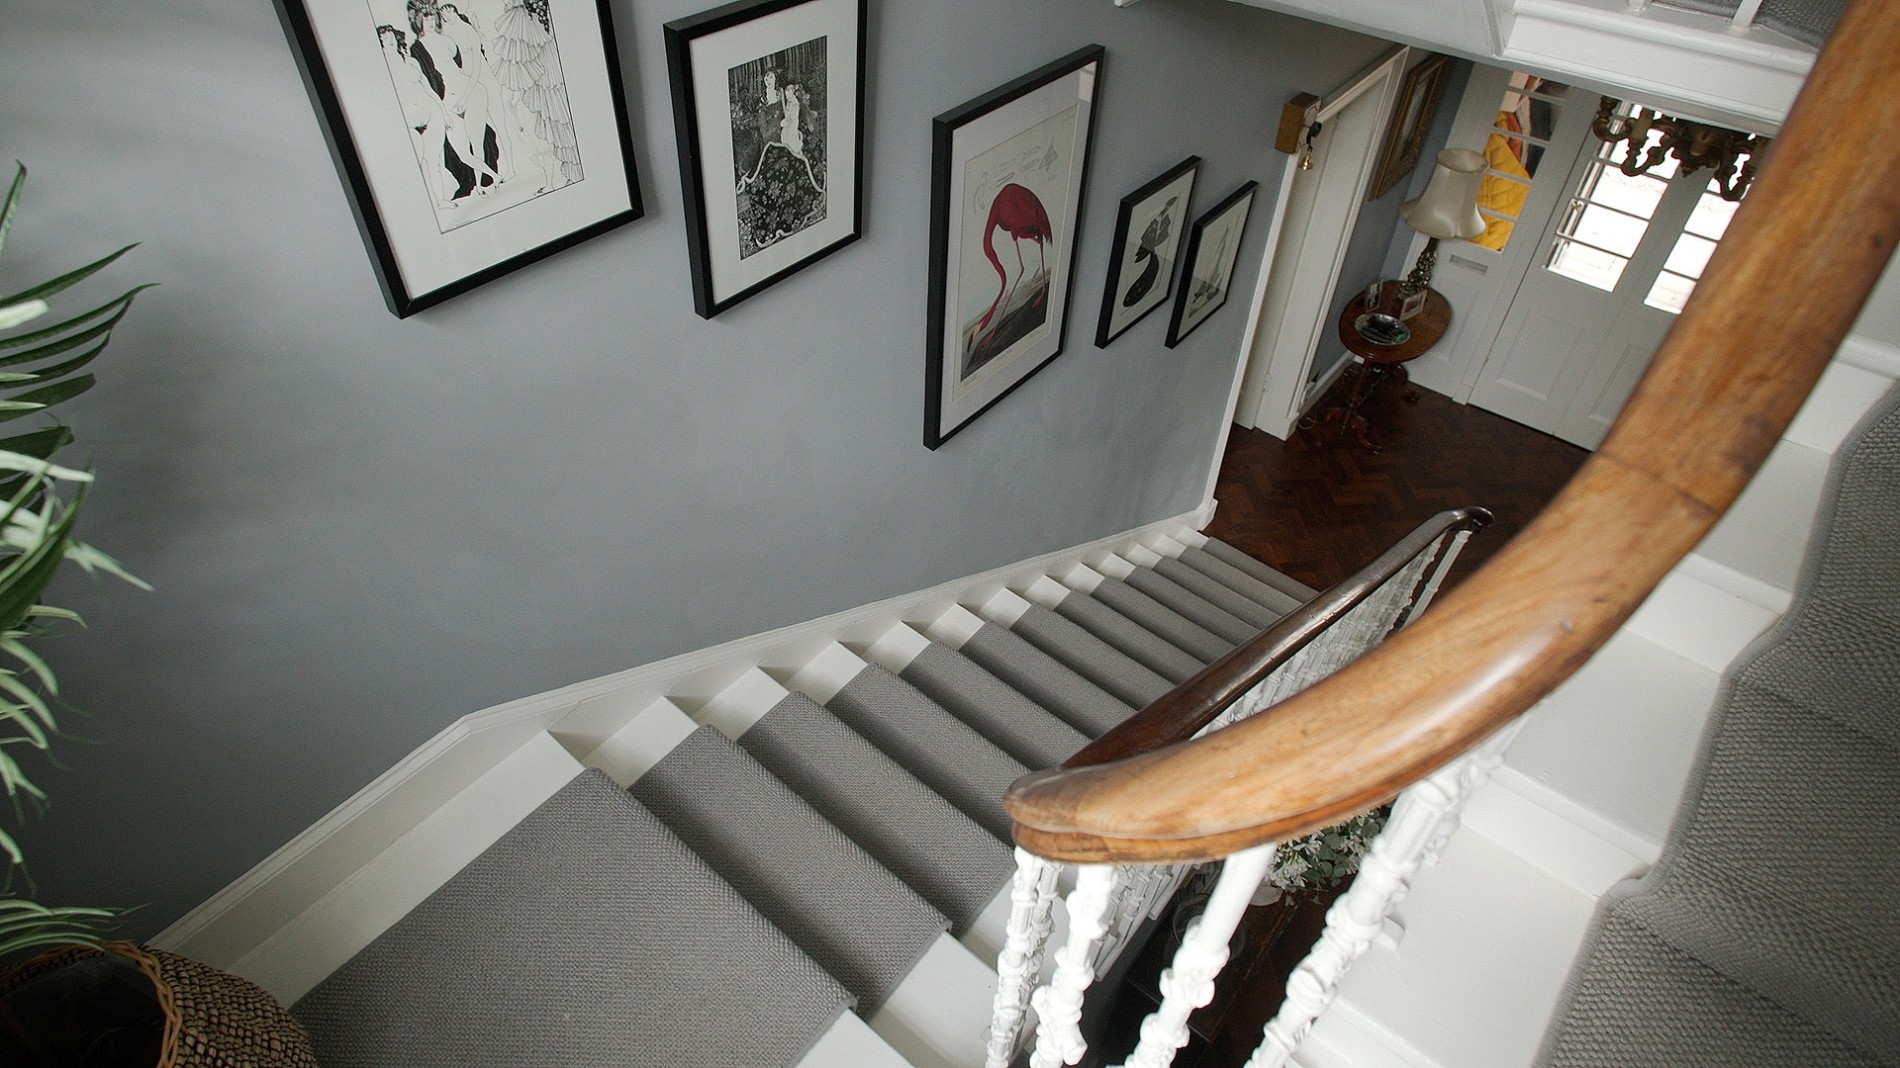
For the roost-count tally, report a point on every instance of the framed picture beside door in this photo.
(1148, 232)
(1411, 121)
(1212, 249)
(1008, 170)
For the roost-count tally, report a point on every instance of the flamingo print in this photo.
(1017, 211)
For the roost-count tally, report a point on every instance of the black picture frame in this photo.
(1004, 158)
(1159, 208)
(798, 64)
(1411, 121)
(448, 195)
(1207, 268)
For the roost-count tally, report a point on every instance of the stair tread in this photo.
(1218, 593)
(1230, 627)
(850, 913)
(589, 883)
(1184, 633)
(1650, 1003)
(1274, 598)
(1045, 680)
(1129, 638)
(1020, 727)
(937, 747)
(1266, 573)
(1090, 657)
(922, 838)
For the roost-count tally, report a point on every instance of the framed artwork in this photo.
(1148, 233)
(1418, 102)
(474, 136)
(1007, 174)
(768, 106)
(1212, 248)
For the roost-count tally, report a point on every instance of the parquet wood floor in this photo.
(1318, 509)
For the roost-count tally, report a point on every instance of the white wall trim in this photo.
(1870, 355)
(257, 905)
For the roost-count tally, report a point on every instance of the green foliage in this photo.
(1324, 859)
(40, 368)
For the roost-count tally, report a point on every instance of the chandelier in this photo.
(1695, 145)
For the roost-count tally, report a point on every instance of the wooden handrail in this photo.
(1181, 712)
(1777, 298)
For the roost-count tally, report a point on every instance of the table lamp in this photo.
(1448, 208)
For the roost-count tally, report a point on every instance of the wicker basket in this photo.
(212, 1019)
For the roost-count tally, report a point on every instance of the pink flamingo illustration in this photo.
(1017, 211)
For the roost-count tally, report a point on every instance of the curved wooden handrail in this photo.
(1181, 712)
(1777, 298)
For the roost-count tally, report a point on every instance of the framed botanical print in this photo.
(1212, 248)
(1007, 174)
(1411, 121)
(474, 136)
(768, 106)
(1148, 233)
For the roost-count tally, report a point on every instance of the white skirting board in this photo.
(252, 910)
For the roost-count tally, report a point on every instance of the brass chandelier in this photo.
(1732, 154)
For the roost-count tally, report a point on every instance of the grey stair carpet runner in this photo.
(1234, 558)
(923, 839)
(855, 918)
(727, 908)
(937, 747)
(1230, 627)
(1129, 638)
(1212, 591)
(1163, 622)
(1090, 657)
(1046, 681)
(1014, 723)
(587, 935)
(1279, 601)
(1769, 932)
(1807, 21)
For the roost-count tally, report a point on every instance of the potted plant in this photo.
(81, 1002)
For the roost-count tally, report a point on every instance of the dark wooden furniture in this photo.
(1376, 361)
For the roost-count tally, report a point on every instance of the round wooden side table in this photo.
(1376, 361)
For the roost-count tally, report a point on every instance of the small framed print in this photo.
(1211, 250)
(768, 106)
(474, 136)
(1007, 174)
(1148, 233)
(1411, 121)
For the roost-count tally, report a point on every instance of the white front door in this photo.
(1610, 272)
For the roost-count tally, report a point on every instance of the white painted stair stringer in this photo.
(1590, 786)
(247, 914)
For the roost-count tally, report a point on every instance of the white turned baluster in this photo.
(1031, 898)
(1188, 983)
(1422, 820)
(1058, 1004)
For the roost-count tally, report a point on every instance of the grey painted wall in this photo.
(362, 528)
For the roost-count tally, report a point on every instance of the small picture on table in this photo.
(1412, 304)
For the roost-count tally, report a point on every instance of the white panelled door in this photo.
(1611, 270)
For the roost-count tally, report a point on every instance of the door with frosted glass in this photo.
(1614, 265)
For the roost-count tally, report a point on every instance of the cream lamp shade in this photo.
(1449, 206)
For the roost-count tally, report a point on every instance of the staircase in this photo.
(723, 880)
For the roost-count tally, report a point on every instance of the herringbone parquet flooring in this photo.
(1319, 509)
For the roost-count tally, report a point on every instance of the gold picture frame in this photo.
(1418, 103)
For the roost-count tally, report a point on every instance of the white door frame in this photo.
(1291, 363)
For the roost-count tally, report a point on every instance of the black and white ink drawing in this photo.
(484, 99)
(778, 144)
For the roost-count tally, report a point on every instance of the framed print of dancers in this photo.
(1148, 233)
(768, 106)
(474, 136)
(1008, 170)
(1212, 248)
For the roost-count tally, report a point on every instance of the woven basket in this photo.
(212, 1019)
